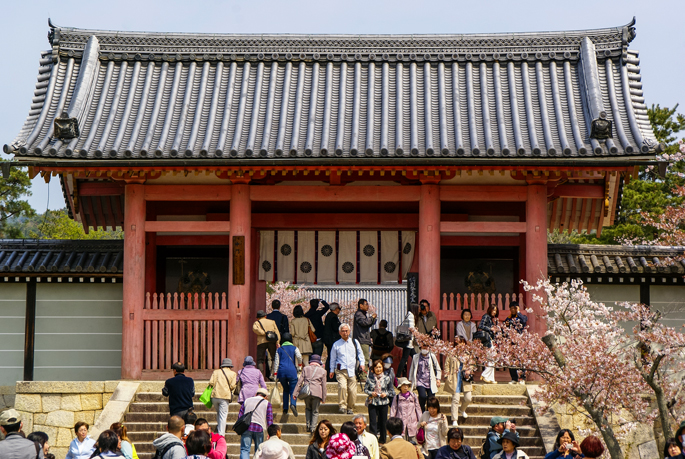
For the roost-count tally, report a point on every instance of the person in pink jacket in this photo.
(219, 447)
(405, 406)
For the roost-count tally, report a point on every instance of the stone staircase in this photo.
(148, 414)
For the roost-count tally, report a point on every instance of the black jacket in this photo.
(382, 341)
(331, 333)
(180, 389)
(314, 453)
(315, 316)
(281, 321)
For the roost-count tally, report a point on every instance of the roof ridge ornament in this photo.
(629, 33)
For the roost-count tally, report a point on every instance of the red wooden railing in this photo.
(189, 328)
(452, 305)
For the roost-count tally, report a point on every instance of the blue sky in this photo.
(660, 38)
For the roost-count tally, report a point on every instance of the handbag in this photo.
(402, 333)
(271, 336)
(206, 397)
(238, 386)
(244, 421)
(312, 335)
(305, 391)
(275, 397)
(421, 436)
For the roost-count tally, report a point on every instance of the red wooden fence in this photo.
(189, 328)
(452, 305)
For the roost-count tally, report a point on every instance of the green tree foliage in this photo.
(56, 224)
(12, 189)
(648, 192)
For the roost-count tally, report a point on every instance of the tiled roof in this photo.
(193, 96)
(54, 257)
(611, 259)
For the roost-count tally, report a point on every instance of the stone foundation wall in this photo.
(55, 406)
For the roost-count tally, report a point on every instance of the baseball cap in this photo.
(9, 417)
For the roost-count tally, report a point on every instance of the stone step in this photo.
(332, 397)
(484, 409)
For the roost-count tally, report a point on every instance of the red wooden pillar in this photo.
(240, 313)
(536, 246)
(134, 282)
(429, 245)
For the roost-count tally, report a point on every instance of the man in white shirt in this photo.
(345, 354)
(367, 438)
(274, 447)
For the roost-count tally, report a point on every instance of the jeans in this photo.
(246, 440)
(406, 353)
(378, 414)
(288, 389)
(221, 405)
(311, 411)
(424, 394)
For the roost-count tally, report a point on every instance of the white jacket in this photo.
(435, 371)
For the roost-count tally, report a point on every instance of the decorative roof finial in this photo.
(629, 32)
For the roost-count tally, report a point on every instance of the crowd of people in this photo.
(405, 420)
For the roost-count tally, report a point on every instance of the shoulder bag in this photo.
(229, 383)
(312, 335)
(271, 336)
(244, 421)
(305, 390)
(402, 333)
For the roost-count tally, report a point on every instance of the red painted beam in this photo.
(335, 193)
(483, 193)
(187, 192)
(336, 221)
(187, 227)
(482, 227)
(194, 240)
(100, 189)
(185, 314)
(482, 241)
(579, 191)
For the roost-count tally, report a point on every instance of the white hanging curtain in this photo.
(286, 256)
(390, 256)
(347, 257)
(326, 265)
(408, 244)
(368, 257)
(305, 257)
(266, 256)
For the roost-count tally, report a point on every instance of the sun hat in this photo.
(227, 363)
(511, 436)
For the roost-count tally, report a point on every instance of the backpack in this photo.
(159, 454)
(485, 448)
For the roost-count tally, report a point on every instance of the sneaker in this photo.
(522, 382)
(464, 415)
(455, 424)
(342, 411)
(294, 410)
(512, 382)
(350, 411)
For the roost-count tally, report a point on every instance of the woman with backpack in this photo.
(405, 406)
(285, 369)
(313, 378)
(382, 339)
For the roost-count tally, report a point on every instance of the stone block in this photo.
(110, 386)
(51, 402)
(96, 416)
(566, 421)
(71, 402)
(60, 453)
(8, 390)
(63, 437)
(85, 416)
(60, 387)
(91, 401)
(27, 419)
(10, 400)
(30, 403)
(61, 418)
(105, 398)
(40, 418)
(50, 430)
(503, 389)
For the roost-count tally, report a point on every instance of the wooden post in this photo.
(536, 246)
(30, 330)
(240, 313)
(429, 245)
(134, 282)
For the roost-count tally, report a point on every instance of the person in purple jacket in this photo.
(251, 379)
